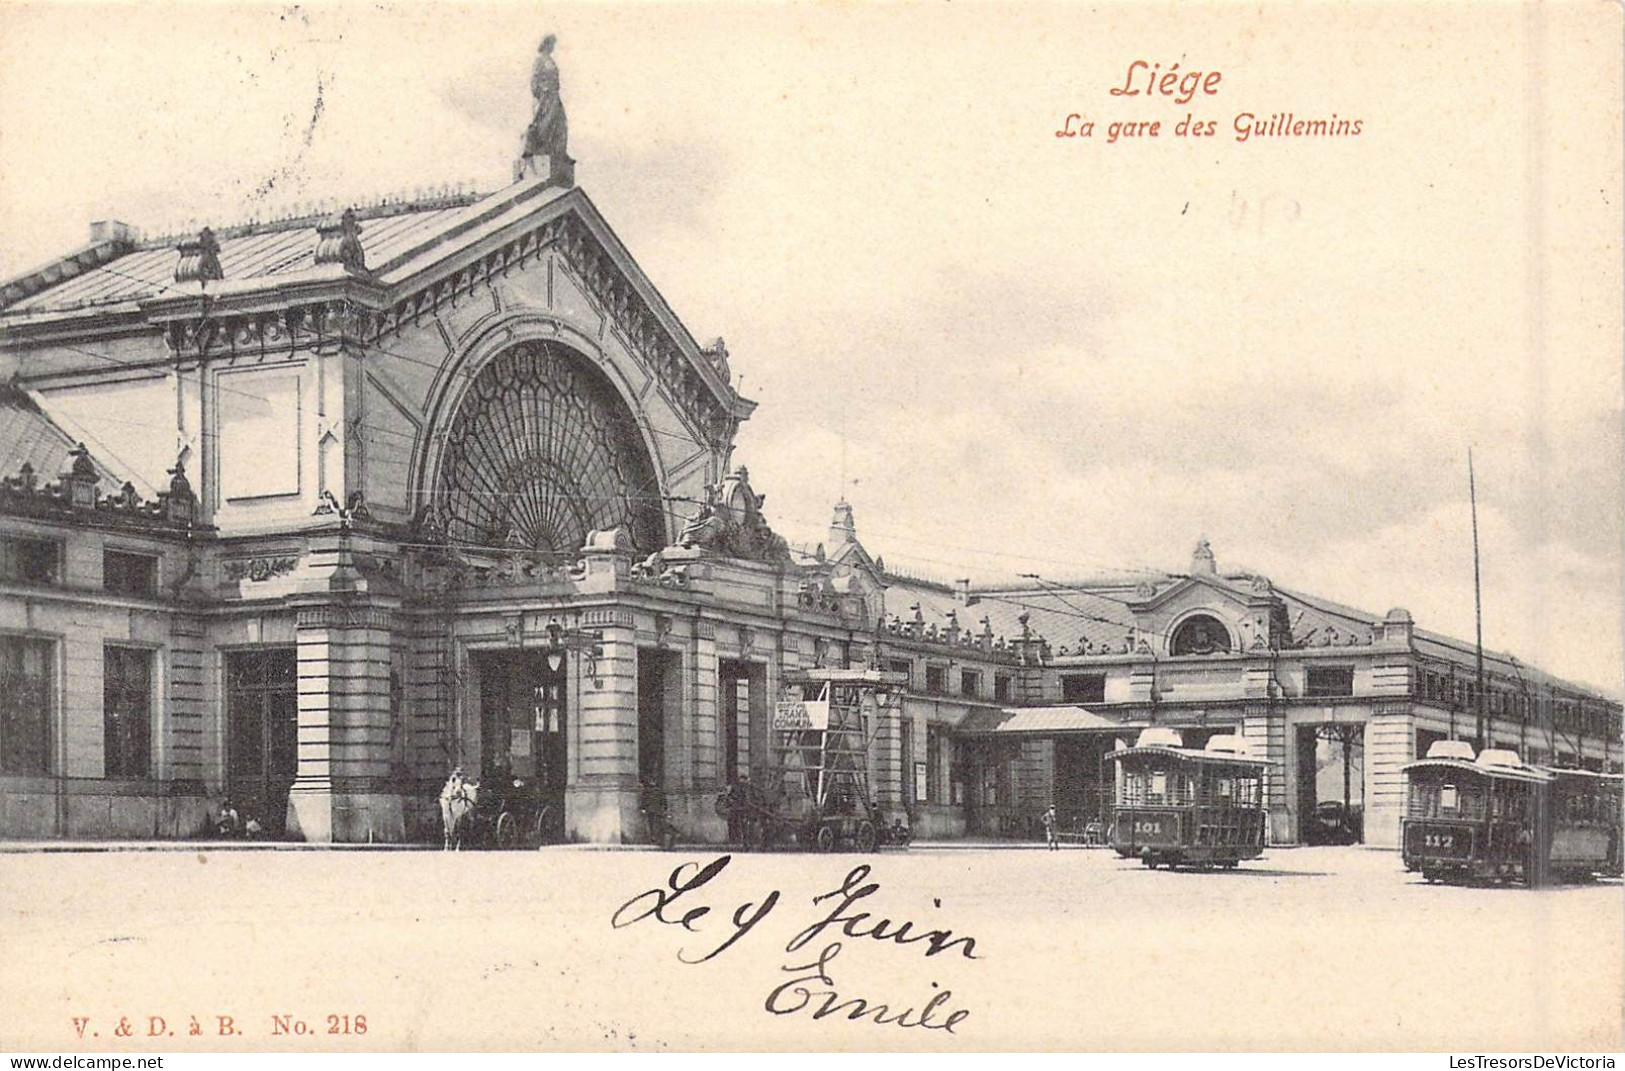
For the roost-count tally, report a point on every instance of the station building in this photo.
(307, 512)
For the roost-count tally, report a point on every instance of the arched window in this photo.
(542, 451)
(1200, 635)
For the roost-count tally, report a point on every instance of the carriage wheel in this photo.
(865, 838)
(824, 839)
(507, 833)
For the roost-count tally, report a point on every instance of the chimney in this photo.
(111, 230)
(962, 593)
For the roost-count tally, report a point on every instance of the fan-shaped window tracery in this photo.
(542, 451)
(1200, 635)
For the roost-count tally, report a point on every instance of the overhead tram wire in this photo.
(414, 437)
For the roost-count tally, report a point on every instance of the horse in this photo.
(457, 813)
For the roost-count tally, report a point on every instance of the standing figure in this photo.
(548, 135)
(1049, 829)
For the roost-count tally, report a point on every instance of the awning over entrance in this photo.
(1057, 719)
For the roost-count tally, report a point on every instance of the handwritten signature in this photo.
(680, 903)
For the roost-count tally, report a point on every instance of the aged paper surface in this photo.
(1034, 301)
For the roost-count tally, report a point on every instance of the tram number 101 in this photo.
(1147, 827)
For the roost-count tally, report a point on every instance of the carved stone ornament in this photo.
(729, 523)
(200, 259)
(338, 241)
(259, 569)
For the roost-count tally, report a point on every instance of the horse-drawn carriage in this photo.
(500, 811)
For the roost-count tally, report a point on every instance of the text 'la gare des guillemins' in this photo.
(1184, 87)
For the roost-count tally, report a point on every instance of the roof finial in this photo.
(200, 259)
(1202, 563)
(547, 136)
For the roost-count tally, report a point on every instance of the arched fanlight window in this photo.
(542, 451)
(1199, 635)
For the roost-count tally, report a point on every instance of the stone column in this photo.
(601, 799)
(1263, 726)
(342, 791)
(695, 812)
(1389, 737)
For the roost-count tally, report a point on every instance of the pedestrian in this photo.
(1049, 829)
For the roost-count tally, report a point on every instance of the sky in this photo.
(1011, 351)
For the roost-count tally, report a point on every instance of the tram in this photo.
(1180, 806)
(1490, 817)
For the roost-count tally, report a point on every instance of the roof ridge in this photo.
(305, 215)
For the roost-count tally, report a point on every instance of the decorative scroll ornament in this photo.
(200, 259)
(338, 241)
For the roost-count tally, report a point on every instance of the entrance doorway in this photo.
(523, 719)
(1331, 783)
(658, 687)
(1083, 782)
(741, 704)
(262, 734)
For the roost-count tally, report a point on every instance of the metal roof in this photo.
(1043, 720)
(253, 251)
(28, 436)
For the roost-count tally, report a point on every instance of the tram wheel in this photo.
(865, 838)
(824, 839)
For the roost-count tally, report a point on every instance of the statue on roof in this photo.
(548, 135)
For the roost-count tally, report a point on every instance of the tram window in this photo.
(1447, 798)
(1224, 787)
(1159, 786)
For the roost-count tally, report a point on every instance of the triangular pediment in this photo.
(1152, 599)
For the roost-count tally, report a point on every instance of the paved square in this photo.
(1304, 948)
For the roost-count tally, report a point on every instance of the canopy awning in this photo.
(1057, 719)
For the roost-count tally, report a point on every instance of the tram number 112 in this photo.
(1442, 841)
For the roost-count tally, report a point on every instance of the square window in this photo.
(936, 680)
(903, 666)
(1328, 681)
(29, 561)
(970, 683)
(1083, 687)
(124, 573)
(1001, 688)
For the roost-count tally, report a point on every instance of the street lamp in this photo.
(555, 646)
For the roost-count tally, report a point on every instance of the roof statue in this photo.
(548, 134)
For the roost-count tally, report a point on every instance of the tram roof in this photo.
(1533, 774)
(1569, 771)
(1190, 754)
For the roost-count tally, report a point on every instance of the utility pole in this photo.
(1478, 609)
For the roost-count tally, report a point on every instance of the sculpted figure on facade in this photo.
(730, 523)
(548, 135)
